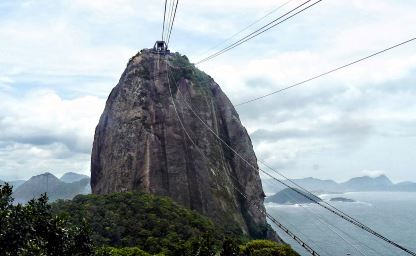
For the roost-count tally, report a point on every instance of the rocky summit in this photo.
(150, 138)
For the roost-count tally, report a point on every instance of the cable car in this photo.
(161, 47)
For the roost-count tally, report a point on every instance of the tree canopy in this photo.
(32, 229)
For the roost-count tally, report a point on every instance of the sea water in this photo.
(392, 214)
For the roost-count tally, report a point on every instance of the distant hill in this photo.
(14, 183)
(365, 183)
(49, 183)
(380, 183)
(405, 186)
(289, 196)
(309, 183)
(70, 177)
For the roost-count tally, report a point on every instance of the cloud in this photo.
(42, 131)
(43, 118)
(58, 65)
(373, 173)
(21, 161)
(307, 127)
(107, 8)
(65, 51)
(5, 83)
(330, 129)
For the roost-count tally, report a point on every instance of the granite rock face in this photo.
(144, 142)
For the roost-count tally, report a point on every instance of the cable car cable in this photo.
(326, 73)
(164, 20)
(173, 20)
(330, 226)
(261, 30)
(246, 28)
(346, 217)
(169, 20)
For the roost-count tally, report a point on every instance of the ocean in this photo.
(393, 214)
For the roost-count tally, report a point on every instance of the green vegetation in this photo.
(155, 224)
(184, 69)
(32, 229)
(129, 251)
(203, 246)
(121, 224)
(266, 248)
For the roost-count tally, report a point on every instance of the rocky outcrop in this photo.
(143, 144)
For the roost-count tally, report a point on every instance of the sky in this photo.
(59, 60)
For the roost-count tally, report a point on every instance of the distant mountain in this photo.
(289, 196)
(14, 183)
(70, 177)
(49, 183)
(319, 185)
(406, 186)
(365, 183)
(380, 183)
(309, 183)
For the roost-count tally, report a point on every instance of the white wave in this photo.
(275, 205)
(363, 203)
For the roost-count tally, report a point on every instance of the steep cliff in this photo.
(140, 143)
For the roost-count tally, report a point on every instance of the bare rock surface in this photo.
(140, 143)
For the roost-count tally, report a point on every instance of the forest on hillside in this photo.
(120, 224)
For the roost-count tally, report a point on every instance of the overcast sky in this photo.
(59, 59)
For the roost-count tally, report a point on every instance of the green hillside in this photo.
(155, 224)
(121, 224)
